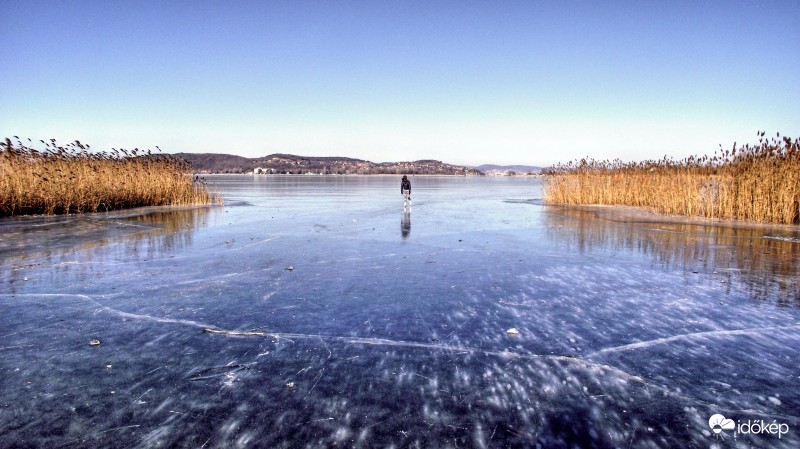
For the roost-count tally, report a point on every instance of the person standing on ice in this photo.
(405, 189)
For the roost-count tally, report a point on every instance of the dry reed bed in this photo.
(756, 182)
(72, 179)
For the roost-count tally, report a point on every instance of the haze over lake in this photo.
(370, 326)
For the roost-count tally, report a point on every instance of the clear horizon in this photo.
(467, 83)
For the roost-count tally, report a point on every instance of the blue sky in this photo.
(465, 82)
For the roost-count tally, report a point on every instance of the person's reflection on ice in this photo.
(405, 225)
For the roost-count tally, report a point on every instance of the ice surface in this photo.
(631, 333)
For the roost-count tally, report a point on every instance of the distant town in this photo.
(207, 163)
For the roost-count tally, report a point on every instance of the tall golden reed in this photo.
(72, 179)
(757, 183)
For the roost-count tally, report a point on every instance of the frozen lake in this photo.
(371, 327)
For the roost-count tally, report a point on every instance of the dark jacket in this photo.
(405, 185)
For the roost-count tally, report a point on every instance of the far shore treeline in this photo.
(73, 179)
(758, 183)
(290, 164)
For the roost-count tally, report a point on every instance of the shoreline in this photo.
(535, 175)
(634, 214)
(337, 175)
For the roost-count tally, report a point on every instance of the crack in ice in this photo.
(113, 310)
(504, 354)
(690, 336)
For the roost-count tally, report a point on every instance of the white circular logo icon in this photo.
(718, 423)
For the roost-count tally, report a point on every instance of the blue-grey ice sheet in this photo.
(392, 326)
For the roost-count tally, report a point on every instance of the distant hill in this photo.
(292, 164)
(491, 169)
(215, 162)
